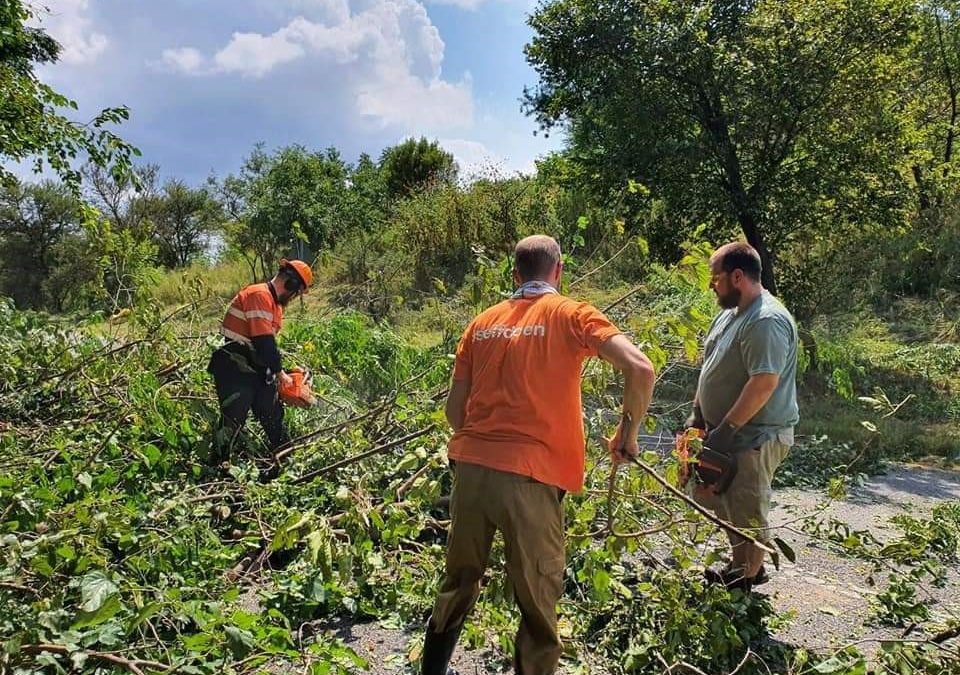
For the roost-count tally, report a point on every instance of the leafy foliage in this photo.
(815, 128)
(119, 540)
(31, 122)
(183, 221)
(416, 164)
(37, 222)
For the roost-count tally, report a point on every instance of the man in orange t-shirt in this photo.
(518, 447)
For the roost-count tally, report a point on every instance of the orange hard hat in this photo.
(301, 268)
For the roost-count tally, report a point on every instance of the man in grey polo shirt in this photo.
(746, 400)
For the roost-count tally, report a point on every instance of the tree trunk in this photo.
(952, 89)
(715, 123)
(751, 231)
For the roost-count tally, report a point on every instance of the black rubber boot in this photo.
(437, 650)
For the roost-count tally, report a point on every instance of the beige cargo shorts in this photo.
(746, 503)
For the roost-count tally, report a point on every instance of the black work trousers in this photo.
(240, 389)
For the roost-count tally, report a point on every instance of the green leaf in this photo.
(601, 584)
(148, 610)
(105, 611)
(241, 642)
(784, 547)
(95, 588)
(831, 665)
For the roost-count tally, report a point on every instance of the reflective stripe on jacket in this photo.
(253, 312)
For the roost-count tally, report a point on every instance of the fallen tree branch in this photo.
(192, 500)
(623, 298)
(18, 587)
(363, 455)
(945, 635)
(732, 529)
(407, 484)
(93, 357)
(295, 444)
(386, 403)
(133, 665)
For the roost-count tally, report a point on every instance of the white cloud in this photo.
(67, 22)
(409, 102)
(185, 59)
(473, 157)
(469, 5)
(328, 11)
(390, 55)
(256, 55)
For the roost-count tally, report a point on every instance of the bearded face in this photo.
(722, 284)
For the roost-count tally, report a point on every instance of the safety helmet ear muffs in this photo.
(299, 270)
(291, 280)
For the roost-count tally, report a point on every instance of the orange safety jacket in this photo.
(253, 319)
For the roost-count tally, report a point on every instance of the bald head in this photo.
(738, 255)
(536, 257)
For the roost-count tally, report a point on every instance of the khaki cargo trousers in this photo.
(530, 517)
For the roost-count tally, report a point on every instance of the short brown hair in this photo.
(535, 256)
(739, 255)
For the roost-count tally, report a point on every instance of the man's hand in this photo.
(695, 420)
(623, 445)
(721, 438)
(285, 379)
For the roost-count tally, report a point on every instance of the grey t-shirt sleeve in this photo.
(765, 346)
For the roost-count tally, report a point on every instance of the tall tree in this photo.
(128, 200)
(771, 114)
(182, 223)
(32, 126)
(931, 95)
(287, 202)
(415, 164)
(34, 220)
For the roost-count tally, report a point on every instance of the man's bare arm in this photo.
(755, 394)
(456, 408)
(639, 377)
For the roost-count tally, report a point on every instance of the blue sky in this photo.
(206, 79)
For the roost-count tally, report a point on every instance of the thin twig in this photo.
(623, 298)
(192, 500)
(407, 484)
(18, 587)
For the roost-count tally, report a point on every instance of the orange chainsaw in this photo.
(714, 470)
(298, 393)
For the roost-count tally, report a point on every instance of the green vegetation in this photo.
(824, 132)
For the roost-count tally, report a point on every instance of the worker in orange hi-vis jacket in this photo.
(247, 368)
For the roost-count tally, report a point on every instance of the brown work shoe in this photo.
(730, 578)
(761, 577)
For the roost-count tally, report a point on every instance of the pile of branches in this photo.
(125, 543)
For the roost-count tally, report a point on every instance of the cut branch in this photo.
(133, 665)
(363, 455)
(732, 529)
